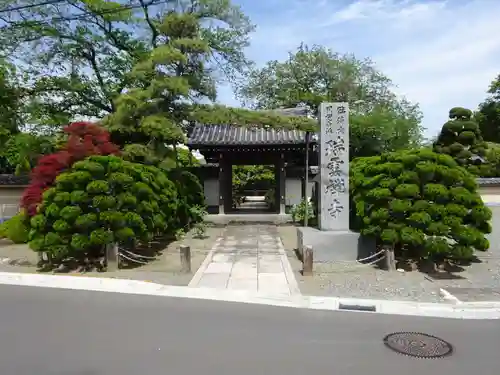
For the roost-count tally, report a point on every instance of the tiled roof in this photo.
(488, 181)
(296, 111)
(13, 180)
(229, 135)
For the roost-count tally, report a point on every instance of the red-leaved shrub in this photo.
(84, 139)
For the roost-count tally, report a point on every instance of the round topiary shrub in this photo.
(101, 200)
(421, 203)
(461, 138)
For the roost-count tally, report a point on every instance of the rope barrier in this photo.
(130, 259)
(137, 255)
(360, 261)
(370, 256)
(358, 266)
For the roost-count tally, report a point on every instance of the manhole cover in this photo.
(418, 345)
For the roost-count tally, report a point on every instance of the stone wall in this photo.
(9, 200)
(11, 190)
(293, 191)
(211, 189)
(491, 197)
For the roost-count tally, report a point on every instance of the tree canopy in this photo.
(150, 68)
(488, 115)
(78, 54)
(312, 75)
(10, 101)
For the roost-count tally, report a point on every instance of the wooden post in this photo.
(306, 182)
(44, 259)
(112, 257)
(40, 259)
(222, 184)
(307, 263)
(185, 252)
(281, 186)
(390, 260)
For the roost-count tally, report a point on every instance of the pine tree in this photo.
(166, 83)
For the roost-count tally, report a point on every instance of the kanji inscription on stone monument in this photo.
(334, 171)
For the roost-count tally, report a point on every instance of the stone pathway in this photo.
(248, 257)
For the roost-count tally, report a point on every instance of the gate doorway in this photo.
(253, 189)
(229, 148)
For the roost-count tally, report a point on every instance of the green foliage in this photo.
(168, 79)
(379, 120)
(198, 214)
(218, 114)
(199, 230)
(383, 130)
(492, 168)
(299, 212)
(248, 177)
(191, 197)
(488, 115)
(10, 100)
(103, 47)
(461, 138)
(103, 199)
(16, 228)
(422, 203)
(20, 152)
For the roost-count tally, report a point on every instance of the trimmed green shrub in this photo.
(101, 200)
(461, 138)
(3, 229)
(420, 202)
(16, 228)
(190, 194)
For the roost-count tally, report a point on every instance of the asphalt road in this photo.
(62, 332)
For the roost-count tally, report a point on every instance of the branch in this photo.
(92, 57)
(154, 30)
(95, 103)
(106, 27)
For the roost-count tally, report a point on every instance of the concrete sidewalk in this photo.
(248, 258)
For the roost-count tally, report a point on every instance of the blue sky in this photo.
(440, 54)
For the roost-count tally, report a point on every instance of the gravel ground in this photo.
(475, 282)
(478, 282)
(164, 270)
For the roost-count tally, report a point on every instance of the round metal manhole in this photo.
(418, 345)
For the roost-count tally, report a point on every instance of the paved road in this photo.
(61, 332)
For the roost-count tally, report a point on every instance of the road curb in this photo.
(447, 296)
(464, 310)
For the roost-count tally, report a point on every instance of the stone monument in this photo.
(333, 240)
(334, 167)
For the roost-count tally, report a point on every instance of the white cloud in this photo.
(439, 53)
(385, 9)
